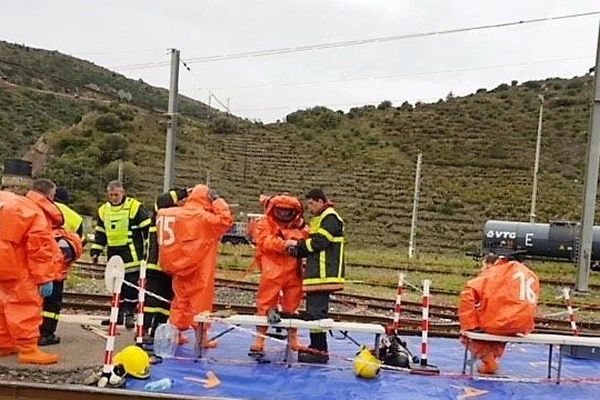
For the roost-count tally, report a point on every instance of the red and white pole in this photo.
(398, 306)
(567, 295)
(139, 331)
(112, 331)
(425, 322)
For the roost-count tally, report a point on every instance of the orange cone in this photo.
(30, 353)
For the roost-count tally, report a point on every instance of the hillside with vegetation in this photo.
(478, 153)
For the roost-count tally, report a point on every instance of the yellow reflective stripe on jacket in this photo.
(329, 236)
(316, 281)
(100, 229)
(51, 315)
(157, 310)
(97, 246)
(144, 223)
(308, 244)
(173, 196)
(72, 219)
(155, 267)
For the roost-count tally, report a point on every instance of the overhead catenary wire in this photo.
(214, 96)
(356, 42)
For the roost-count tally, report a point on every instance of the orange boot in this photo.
(182, 339)
(295, 343)
(30, 353)
(489, 364)
(259, 343)
(206, 342)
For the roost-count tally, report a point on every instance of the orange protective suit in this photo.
(189, 238)
(501, 300)
(55, 221)
(280, 272)
(27, 254)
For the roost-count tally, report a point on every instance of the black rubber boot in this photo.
(48, 340)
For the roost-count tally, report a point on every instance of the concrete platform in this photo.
(79, 348)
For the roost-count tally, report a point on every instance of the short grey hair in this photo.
(114, 185)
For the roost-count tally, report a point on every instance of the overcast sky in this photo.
(117, 33)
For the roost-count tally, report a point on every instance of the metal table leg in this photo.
(288, 348)
(376, 345)
(200, 339)
(560, 357)
(464, 370)
(550, 362)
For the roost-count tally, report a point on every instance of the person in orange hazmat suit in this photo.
(501, 300)
(27, 249)
(279, 272)
(189, 238)
(68, 248)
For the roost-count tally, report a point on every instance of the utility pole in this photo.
(536, 165)
(208, 178)
(228, 112)
(172, 121)
(120, 173)
(413, 224)
(590, 187)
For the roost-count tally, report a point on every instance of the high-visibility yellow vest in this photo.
(72, 219)
(116, 221)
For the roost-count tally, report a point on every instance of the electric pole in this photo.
(413, 224)
(171, 121)
(584, 255)
(536, 165)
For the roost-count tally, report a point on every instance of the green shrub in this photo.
(113, 147)
(108, 123)
(224, 126)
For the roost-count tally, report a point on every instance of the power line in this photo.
(186, 66)
(356, 42)
(377, 77)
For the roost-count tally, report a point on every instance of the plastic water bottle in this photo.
(165, 341)
(162, 385)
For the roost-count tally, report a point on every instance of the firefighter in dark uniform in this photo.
(157, 312)
(122, 228)
(324, 272)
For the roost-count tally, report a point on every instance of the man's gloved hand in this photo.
(273, 316)
(213, 195)
(292, 251)
(45, 289)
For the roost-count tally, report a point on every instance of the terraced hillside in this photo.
(477, 150)
(478, 160)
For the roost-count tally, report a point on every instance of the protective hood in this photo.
(51, 211)
(199, 197)
(285, 202)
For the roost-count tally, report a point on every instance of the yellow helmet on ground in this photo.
(366, 365)
(135, 361)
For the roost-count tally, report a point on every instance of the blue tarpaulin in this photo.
(523, 372)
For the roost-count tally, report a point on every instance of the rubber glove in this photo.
(45, 289)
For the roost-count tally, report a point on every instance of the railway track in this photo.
(91, 270)
(445, 316)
